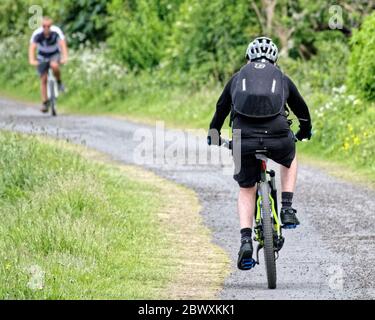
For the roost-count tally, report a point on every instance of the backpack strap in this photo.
(283, 95)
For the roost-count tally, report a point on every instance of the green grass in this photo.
(73, 229)
(344, 169)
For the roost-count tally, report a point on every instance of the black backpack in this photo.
(258, 91)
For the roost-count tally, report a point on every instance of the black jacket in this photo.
(252, 127)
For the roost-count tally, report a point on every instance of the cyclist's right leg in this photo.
(43, 89)
(42, 70)
(288, 184)
(289, 176)
(284, 153)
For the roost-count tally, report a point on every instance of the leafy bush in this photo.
(361, 67)
(343, 128)
(8, 8)
(139, 31)
(210, 37)
(14, 16)
(322, 72)
(14, 69)
(83, 21)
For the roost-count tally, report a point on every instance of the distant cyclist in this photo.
(50, 44)
(256, 97)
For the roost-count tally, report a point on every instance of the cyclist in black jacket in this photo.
(272, 134)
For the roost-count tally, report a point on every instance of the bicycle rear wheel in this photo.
(269, 252)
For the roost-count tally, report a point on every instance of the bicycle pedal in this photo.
(289, 226)
(248, 263)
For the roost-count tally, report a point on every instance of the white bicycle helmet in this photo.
(262, 47)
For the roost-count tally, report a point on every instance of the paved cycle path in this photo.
(330, 256)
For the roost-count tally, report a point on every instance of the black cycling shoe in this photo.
(245, 256)
(45, 106)
(289, 218)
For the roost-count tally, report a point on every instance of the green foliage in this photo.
(139, 31)
(361, 67)
(14, 69)
(209, 38)
(343, 128)
(15, 15)
(324, 70)
(83, 21)
(11, 22)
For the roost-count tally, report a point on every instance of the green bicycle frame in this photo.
(258, 217)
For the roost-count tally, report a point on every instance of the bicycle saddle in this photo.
(261, 155)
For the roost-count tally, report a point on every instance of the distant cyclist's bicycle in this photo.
(267, 224)
(52, 88)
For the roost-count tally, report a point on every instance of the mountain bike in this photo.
(52, 88)
(267, 223)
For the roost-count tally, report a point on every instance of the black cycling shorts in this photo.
(282, 150)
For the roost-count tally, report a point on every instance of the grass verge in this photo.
(76, 228)
(362, 176)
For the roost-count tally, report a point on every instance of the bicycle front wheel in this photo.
(269, 252)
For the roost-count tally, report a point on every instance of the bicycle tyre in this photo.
(269, 252)
(52, 98)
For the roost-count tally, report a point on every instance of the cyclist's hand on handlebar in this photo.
(63, 60)
(215, 141)
(213, 137)
(34, 62)
(209, 140)
(304, 133)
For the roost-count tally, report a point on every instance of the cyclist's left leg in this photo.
(56, 69)
(246, 206)
(246, 177)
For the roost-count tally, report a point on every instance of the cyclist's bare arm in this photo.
(64, 51)
(32, 59)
